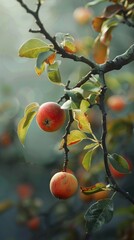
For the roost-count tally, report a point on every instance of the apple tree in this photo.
(90, 91)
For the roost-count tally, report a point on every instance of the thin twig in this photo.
(67, 131)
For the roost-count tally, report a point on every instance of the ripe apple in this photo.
(63, 185)
(33, 223)
(82, 15)
(50, 117)
(116, 103)
(24, 191)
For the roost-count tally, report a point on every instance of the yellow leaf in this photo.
(40, 70)
(74, 137)
(5, 205)
(84, 105)
(83, 123)
(25, 122)
(93, 189)
(33, 47)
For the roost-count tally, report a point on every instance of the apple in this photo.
(25, 191)
(116, 103)
(63, 185)
(33, 223)
(82, 15)
(50, 117)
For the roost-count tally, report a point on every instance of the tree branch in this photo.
(43, 31)
(67, 131)
(110, 178)
(119, 61)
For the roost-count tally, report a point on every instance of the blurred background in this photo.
(25, 172)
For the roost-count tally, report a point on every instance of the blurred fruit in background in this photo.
(82, 15)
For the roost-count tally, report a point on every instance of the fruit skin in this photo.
(116, 103)
(82, 15)
(50, 117)
(33, 223)
(63, 185)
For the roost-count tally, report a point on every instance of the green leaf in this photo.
(74, 137)
(119, 163)
(40, 70)
(99, 214)
(67, 104)
(62, 36)
(91, 146)
(92, 98)
(33, 47)
(86, 162)
(69, 45)
(53, 73)
(76, 96)
(25, 122)
(94, 2)
(91, 87)
(42, 57)
(84, 105)
(98, 187)
(74, 91)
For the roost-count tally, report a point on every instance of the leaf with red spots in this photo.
(83, 122)
(74, 137)
(93, 189)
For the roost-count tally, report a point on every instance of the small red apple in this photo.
(116, 103)
(33, 223)
(25, 191)
(82, 15)
(50, 117)
(63, 185)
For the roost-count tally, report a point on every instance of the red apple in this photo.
(25, 191)
(63, 185)
(116, 103)
(33, 223)
(82, 15)
(50, 117)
